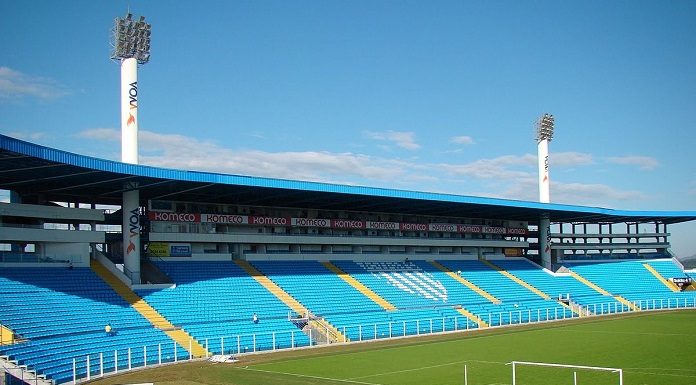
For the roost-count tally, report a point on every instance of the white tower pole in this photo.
(544, 135)
(129, 154)
(129, 110)
(543, 160)
(131, 45)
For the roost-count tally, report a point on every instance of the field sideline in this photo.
(652, 348)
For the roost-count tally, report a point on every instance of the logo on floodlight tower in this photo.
(133, 95)
(546, 168)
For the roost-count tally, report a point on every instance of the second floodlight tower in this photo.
(130, 47)
(544, 134)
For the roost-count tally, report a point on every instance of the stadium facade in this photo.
(197, 214)
(303, 255)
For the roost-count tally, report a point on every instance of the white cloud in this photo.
(15, 84)
(29, 136)
(515, 166)
(591, 194)
(464, 139)
(495, 168)
(643, 162)
(508, 176)
(182, 152)
(401, 139)
(109, 134)
(570, 159)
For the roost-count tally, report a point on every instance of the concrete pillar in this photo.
(131, 232)
(545, 241)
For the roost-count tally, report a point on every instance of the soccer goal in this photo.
(533, 373)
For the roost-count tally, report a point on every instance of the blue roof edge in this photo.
(51, 154)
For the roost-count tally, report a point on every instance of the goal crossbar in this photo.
(515, 363)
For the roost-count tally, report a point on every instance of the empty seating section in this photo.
(667, 268)
(516, 299)
(561, 285)
(62, 315)
(316, 288)
(492, 313)
(327, 295)
(215, 302)
(456, 293)
(403, 284)
(631, 280)
(416, 285)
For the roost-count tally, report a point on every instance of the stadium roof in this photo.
(37, 171)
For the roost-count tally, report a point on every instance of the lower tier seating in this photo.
(61, 314)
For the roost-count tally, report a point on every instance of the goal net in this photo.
(541, 373)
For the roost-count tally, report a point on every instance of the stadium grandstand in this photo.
(233, 265)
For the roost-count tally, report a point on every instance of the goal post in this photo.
(516, 364)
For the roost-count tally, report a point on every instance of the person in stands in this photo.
(255, 318)
(109, 330)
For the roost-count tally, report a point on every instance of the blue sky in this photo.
(433, 96)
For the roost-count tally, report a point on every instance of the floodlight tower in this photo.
(545, 126)
(130, 42)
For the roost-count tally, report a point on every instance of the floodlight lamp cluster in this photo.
(131, 39)
(545, 127)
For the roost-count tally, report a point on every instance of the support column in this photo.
(131, 232)
(545, 241)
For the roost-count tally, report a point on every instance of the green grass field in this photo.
(651, 348)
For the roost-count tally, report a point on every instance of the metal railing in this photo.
(19, 257)
(96, 365)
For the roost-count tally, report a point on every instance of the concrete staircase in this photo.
(481, 323)
(21, 372)
(670, 285)
(6, 335)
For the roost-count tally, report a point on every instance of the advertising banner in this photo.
(165, 249)
(349, 224)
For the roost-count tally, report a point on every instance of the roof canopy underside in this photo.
(48, 174)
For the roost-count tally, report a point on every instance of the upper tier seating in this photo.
(62, 314)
